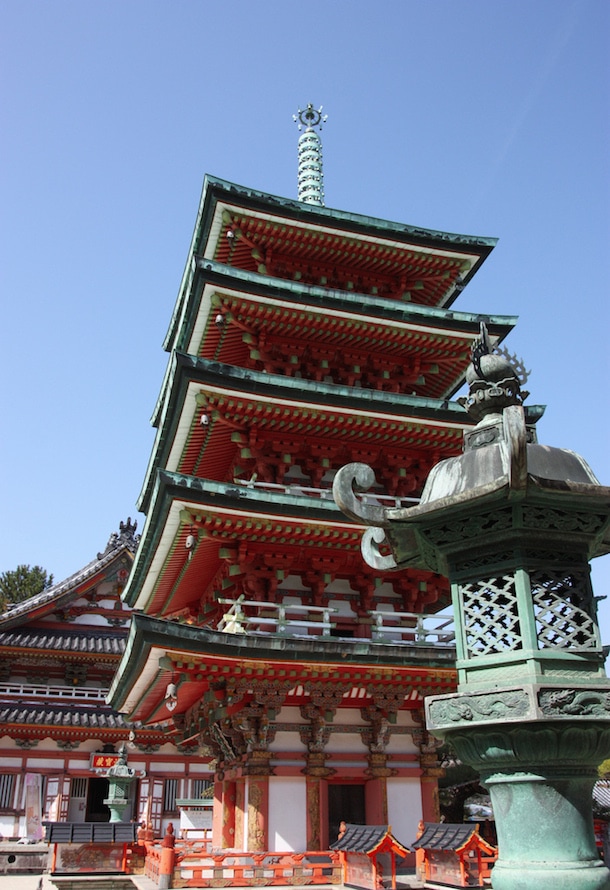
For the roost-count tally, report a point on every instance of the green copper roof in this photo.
(206, 270)
(219, 190)
(350, 221)
(153, 633)
(169, 487)
(182, 369)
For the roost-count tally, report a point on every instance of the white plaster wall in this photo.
(345, 743)
(343, 607)
(401, 744)
(287, 741)
(287, 814)
(7, 827)
(290, 715)
(404, 808)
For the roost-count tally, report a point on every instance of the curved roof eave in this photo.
(183, 368)
(59, 594)
(148, 634)
(352, 301)
(215, 189)
(169, 487)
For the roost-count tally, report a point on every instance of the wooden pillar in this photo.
(317, 774)
(431, 772)
(223, 816)
(376, 801)
(314, 820)
(376, 788)
(240, 813)
(430, 806)
(258, 813)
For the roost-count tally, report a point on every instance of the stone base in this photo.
(540, 777)
(591, 875)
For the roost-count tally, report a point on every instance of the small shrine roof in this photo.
(82, 640)
(90, 832)
(368, 839)
(447, 836)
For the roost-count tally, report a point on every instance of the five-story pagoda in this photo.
(302, 338)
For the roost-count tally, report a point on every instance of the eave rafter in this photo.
(216, 552)
(338, 260)
(272, 418)
(317, 344)
(270, 530)
(212, 687)
(245, 434)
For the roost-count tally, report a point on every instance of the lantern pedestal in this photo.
(513, 525)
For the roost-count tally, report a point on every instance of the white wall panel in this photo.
(287, 813)
(404, 808)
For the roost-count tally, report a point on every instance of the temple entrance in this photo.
(345, 804)
(97, 811)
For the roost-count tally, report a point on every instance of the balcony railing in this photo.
(274, 618)
(385, 500)
(42, 691)
(295, 619)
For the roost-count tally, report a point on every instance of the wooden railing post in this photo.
(168, 857)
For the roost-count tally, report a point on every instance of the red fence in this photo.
(196, 867)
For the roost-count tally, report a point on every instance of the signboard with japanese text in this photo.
(103, 761)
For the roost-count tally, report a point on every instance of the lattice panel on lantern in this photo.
(490, 616)
(562, 606)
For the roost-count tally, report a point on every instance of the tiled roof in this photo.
(90, 832)
(124, 540)
(444, 836)
(362, 838)
(53, 716)
(83, 641)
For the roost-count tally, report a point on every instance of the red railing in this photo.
(152, 862)
(195, 867)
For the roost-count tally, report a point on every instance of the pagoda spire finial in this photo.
(311, 175)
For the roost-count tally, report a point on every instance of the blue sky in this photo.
(477, 117)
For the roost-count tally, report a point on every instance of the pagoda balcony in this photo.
(296, 620)
(385, 500)
(42, 691)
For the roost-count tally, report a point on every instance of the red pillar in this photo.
(317, 774)
(223, 817)
(168, 856)
(376, 801)
(376, 788)
(314, 827)
(430, 806)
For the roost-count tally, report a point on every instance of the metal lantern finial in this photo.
(311, 175)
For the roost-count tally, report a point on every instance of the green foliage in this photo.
(604, 769)
(22, 583)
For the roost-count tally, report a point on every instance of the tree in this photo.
(22, 583)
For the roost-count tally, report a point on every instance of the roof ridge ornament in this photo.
(311, 175)
(494, 379)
